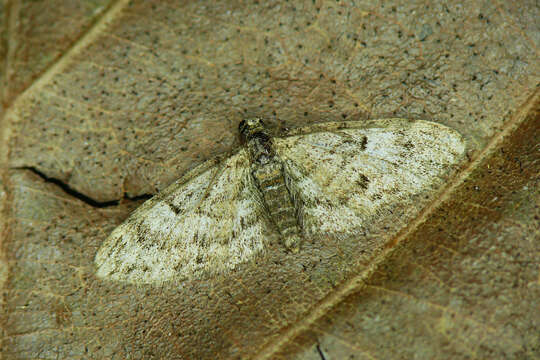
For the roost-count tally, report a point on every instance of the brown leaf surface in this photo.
(154, 88)
(464, 284)
(36, 33)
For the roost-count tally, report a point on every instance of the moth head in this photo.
(249, 127)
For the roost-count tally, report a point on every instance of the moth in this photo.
(324, 180)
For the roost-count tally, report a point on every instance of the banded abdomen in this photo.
(270, 180)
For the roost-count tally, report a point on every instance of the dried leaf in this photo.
(137, 94)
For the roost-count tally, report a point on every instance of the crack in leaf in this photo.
(321, 354)
(78, 195)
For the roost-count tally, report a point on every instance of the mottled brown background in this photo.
(106, 103)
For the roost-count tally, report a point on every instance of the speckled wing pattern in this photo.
(339, 175)
(344, 174)
(207, 222)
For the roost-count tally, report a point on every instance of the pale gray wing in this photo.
(343, 174)
(206, 223)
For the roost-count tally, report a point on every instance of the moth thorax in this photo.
(260, 148)
(249, 127)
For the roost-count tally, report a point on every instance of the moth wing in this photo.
(343, 174)
(207, 222)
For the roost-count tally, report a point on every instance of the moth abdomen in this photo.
(271, 183)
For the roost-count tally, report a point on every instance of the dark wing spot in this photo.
(408, 145)
(363, 143)
(360, 143)
(362, 181)
(120, 245)
(140, 236)
(174, 208)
